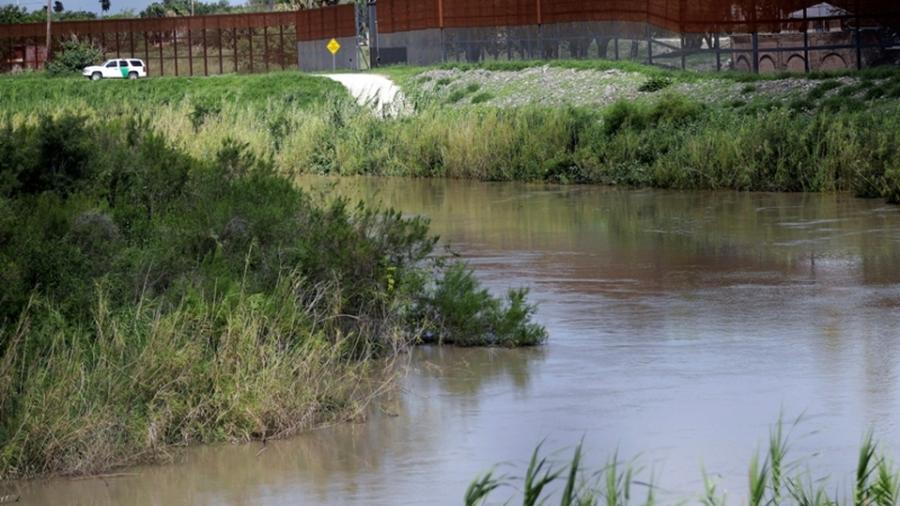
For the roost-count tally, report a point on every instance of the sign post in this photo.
(333, 47)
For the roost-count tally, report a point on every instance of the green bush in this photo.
(482, 97)
(72, 56)
(655, 83)
(823, 88)
(465, 314)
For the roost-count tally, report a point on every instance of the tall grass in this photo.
(772, 482)
(833, 143)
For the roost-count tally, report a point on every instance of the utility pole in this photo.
(192, 8)
(49, 11)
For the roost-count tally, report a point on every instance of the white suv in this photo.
(130, 68)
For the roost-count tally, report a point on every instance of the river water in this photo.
(682, 325)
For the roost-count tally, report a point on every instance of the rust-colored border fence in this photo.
(198, 45)
(752, 35)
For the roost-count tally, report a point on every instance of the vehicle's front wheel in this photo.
(96, 76)
(132, 75)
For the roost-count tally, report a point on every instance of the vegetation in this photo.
(822, 141)
(153, 299)
(12, 14)
(774, 480)
(72, 57)
(406, 74)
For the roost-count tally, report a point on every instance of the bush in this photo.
(823, 88)
(655, 83)
(72, 57)
(482, 97)
(464, 313)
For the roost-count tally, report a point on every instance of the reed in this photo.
(772, 481)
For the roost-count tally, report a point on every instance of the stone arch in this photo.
(796, 63)
(742, 63)
(766, 64)
(833, 61)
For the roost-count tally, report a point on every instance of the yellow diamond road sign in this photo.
(334, 46)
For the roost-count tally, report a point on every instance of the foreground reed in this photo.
(772, 480)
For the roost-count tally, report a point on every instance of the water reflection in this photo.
(682, 324)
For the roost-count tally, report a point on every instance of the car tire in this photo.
(132, 75)
(96, 76)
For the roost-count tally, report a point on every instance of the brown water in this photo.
(682, 324)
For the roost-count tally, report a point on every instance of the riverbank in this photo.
(658, 128)
(154, 300)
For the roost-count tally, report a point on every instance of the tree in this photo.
(73, 56)
(58, 7)
(13, 14)
(104, 5)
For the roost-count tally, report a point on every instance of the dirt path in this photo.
(372, 89)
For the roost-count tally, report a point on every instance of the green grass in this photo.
(665, 139)
(39, 92)
(774, 480)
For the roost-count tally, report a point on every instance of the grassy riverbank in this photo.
(812, 135)
(153, 299)
(774, 479)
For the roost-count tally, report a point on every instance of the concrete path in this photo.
(374, 90)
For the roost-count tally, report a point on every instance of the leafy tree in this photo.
(58, 7)
(13, 14)
(73, 56)
(104, 5)
(172, 8)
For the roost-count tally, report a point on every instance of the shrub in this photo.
(482, 97)
(72, 57)
(464, 313)
(655, 83)
(823, 88)
(456, 95)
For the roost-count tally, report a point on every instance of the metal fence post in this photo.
(718, 47)
(205, 52)
(755, 50)
(266, 47)
(281, 43)
(221, 49)
(175, 44)
(805, 41)
(858, 38)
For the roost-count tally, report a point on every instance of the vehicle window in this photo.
(112, 64)
(136, 63)
(123, 63)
